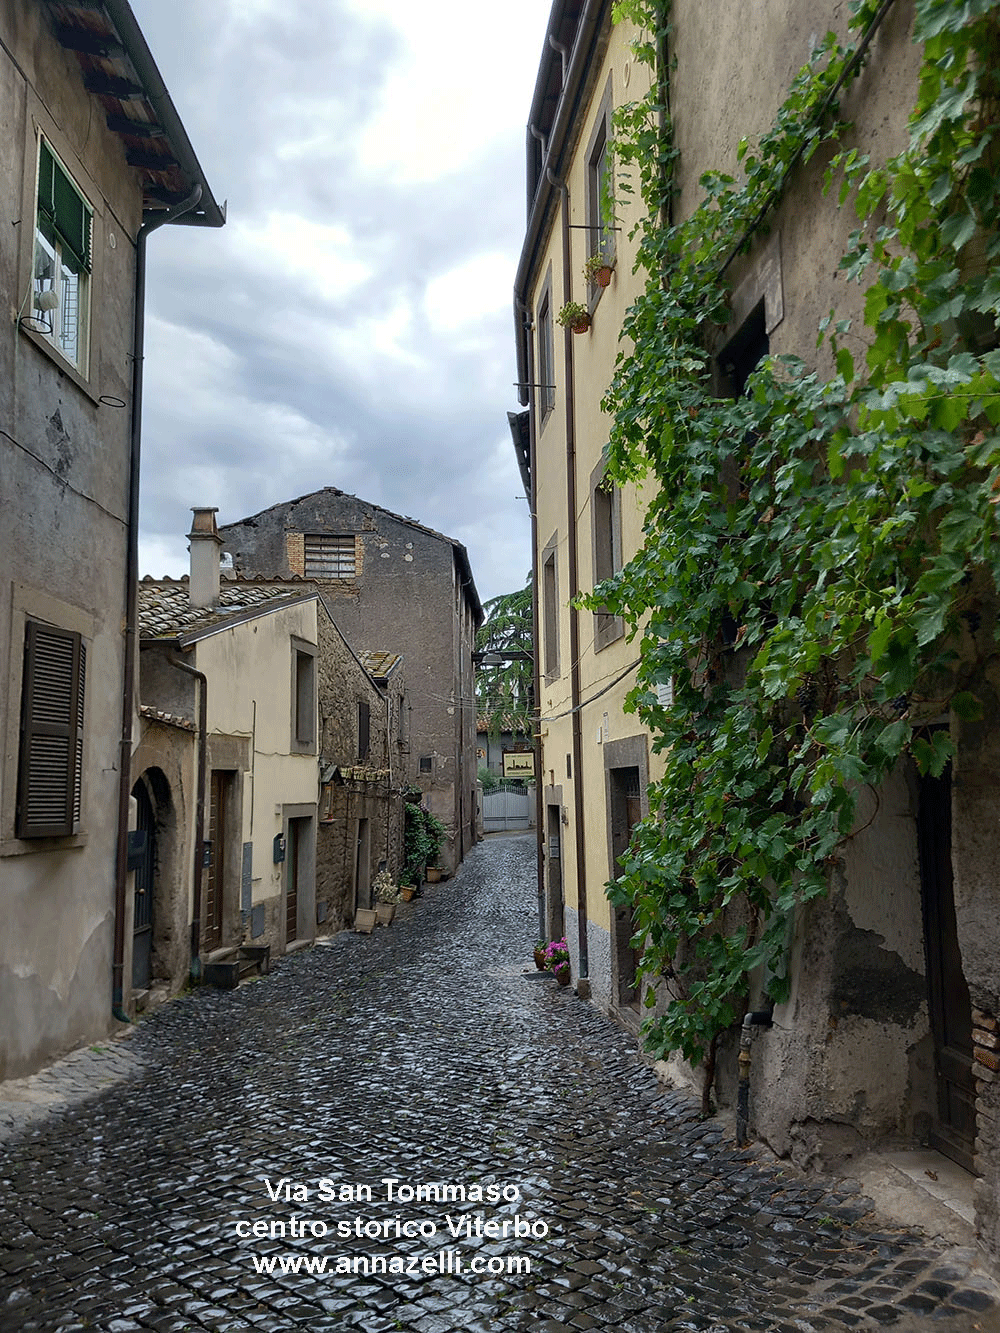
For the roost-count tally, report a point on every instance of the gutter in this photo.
(131, 596)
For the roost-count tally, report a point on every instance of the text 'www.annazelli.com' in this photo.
(391, 1265)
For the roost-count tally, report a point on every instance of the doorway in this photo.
(216, 876)
(145, 874)
(553, 829)
(953, 1129)
(362, 866)
(626, 811)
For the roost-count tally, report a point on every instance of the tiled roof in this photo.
(168, 719)
(379, 664)
(165, 612)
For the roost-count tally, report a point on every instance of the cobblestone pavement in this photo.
(425, 1056)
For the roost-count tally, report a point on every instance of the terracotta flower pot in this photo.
(581, 325)
(562, 973)
(602, 276)
(540, 959)
(407, 892)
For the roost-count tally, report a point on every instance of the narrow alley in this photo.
(414, 1106)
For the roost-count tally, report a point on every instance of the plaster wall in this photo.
(250, 670)
(63, 476)
(573, 434)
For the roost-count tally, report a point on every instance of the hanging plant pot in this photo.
(574, 316)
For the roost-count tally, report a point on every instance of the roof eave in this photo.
(207, 213)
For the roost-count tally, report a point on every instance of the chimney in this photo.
(206, 544)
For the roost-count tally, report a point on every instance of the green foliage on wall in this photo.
(820, 564)
(423, 837)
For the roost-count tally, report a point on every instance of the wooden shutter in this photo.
(65, 208)
(364, 728)
(50, 771)
(330, 555)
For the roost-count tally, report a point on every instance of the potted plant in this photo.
(598, 269)
(423, 838)
(386, 897)
(540, 962)
(574, 316)
(557, 961)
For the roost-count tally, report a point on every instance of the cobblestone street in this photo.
(425, 1055)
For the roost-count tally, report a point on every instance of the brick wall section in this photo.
(986, 1065)
(295, 552)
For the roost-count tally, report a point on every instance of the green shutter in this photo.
(62, 204)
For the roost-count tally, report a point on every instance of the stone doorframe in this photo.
(629, 752)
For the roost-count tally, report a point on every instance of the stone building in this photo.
(266, 777)
(393, 585)
(363, 758)
(93, 156)
(889, 972)
(226, 774)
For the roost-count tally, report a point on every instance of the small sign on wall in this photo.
(518, 764)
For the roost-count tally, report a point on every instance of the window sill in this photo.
(610, 632)
(28, 846)
(59, 361)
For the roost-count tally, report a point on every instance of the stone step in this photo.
(226, 968)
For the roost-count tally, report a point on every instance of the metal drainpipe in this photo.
(541, 832)
(131, 597)
(574, 584)
(199, 817)
(751, 1021)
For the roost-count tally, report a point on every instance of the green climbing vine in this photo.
(821, 559)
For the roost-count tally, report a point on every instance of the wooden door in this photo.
(626, 811)
(293, 857)
(215, 876)
(142, 921)
(954, 1128)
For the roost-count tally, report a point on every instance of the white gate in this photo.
(507, 806)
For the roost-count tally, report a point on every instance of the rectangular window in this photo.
(50, 768)
(546, 366)
(550, 615)
(303, 699)
(600, 182)
(426, 763)
(60, 289)
(330, 555)
(606, 506)
(364, 728)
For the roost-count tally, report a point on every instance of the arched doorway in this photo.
(145, 873)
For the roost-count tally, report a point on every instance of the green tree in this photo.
(505, 690)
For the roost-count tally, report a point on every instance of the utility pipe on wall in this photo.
(574, 582)
(199, 817)
(131, 596)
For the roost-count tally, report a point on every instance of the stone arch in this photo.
(169, 957)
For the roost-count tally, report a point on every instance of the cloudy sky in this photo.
(351, 324)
